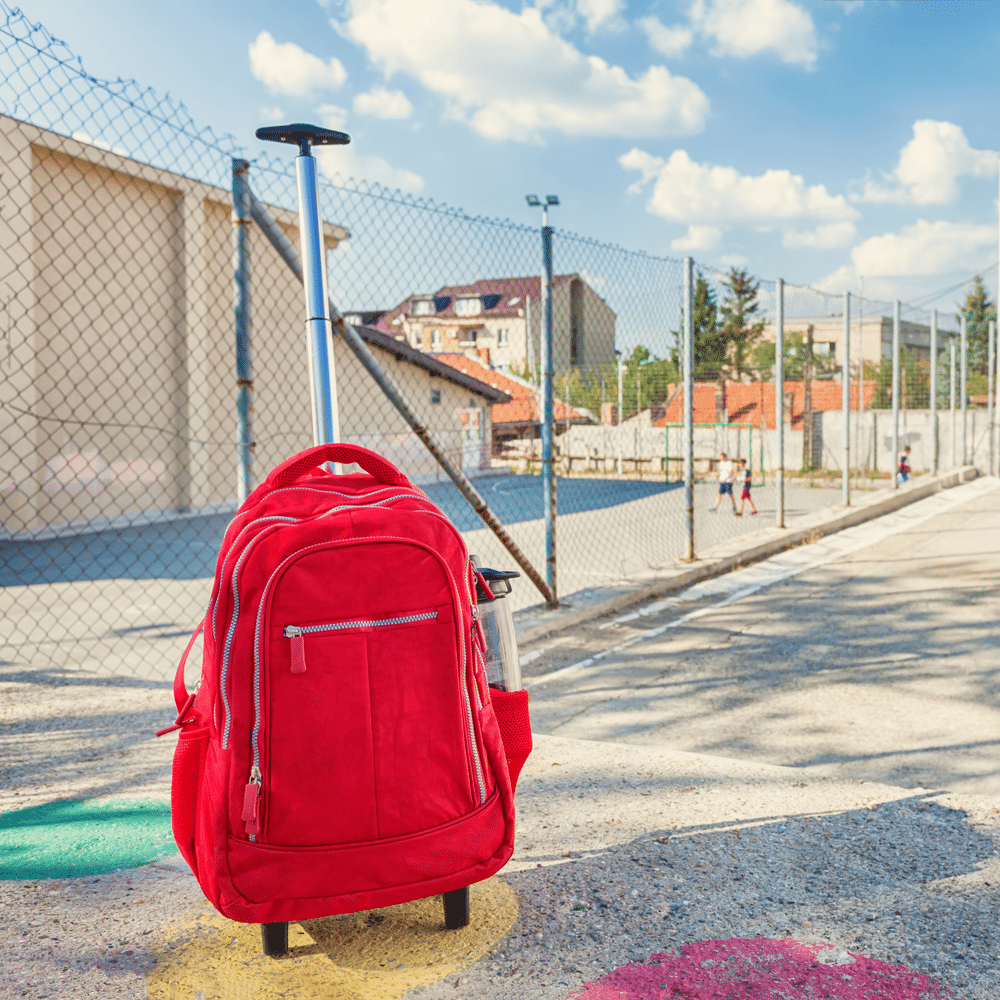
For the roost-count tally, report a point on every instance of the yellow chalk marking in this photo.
(373, 955)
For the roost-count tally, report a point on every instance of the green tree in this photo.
(978, 311)
(709, 340)
(600, 383)
(740, 327)
(762, 358)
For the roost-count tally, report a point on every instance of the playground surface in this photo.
(706, 806)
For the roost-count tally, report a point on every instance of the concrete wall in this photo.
(117, 352)
(646, 448)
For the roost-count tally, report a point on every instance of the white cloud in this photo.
(510, 77)
(830, 234)
(343, 162)
(332, 116)
(923, 249)
(698, 238)
(598, 12)
(747, 27)
(930, 164)
(734, 260)
(670, 41)
(272, 114)
(704, 196)
(284, 68)
(383, 103)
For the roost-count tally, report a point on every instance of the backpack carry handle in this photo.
(296, 467)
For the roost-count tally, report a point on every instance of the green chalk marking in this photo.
(69, 838)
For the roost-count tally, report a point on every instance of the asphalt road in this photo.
(877, 663)
(186, 548)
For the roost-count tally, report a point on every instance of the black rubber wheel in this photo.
(456, 908)
(274, 937)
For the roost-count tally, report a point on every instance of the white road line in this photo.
(744, 582)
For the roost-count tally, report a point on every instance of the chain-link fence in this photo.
(121, 451)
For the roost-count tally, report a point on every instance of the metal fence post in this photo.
(241, 304)
(933, 399)
(689, 402)
(846, 397)
(548, 412)
(963, 376)
(779, 395)
(996, 393)
(990, 336)
(895, 394)
(951, 391)
(618, 422)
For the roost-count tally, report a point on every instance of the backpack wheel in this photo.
(456, 908)
(275, 938)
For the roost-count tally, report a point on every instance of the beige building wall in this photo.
(871, 336)
(117, 357)
(582, 311)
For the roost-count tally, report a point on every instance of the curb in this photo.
(727, 556)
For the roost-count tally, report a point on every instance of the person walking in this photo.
(904, 465)
(725, 482)
(745, 477)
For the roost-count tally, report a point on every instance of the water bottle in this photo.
(503, 668)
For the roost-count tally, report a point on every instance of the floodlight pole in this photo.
(548, 397)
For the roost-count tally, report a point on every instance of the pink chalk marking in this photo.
(761, 969)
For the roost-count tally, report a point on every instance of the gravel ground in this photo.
(622, 852)
(686, 848)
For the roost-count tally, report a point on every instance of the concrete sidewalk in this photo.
(539, 622)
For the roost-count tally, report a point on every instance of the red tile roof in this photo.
(525, 405)
(743, 401)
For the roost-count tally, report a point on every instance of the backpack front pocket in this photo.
(368, 740)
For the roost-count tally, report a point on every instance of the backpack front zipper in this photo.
(297, 633)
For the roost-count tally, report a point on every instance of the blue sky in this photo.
(822, 142)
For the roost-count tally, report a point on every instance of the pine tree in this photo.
(978, 311)
(740, 329)
(709, 342)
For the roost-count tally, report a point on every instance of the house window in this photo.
(501, 338)
(435, 340)
(468, 307)
(435, 396)
(423, 307)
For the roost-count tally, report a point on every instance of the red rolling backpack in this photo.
(342, 751)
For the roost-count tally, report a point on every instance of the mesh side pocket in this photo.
(188, 768)
(511, 710)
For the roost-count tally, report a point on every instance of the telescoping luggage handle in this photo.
(292, 470)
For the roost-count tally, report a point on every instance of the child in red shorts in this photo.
(745, 477)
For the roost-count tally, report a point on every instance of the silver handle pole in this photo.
(326, 428)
